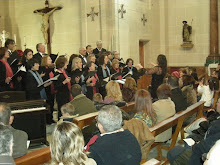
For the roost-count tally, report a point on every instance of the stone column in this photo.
(214, 51)
(214, 28)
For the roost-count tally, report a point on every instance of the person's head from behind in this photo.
(109, 119)
(188, 80)
(67, 110)
(6, 140)
(143, 103)
(130, 83)
(97, 97)
(113, 90)
(5, 114)
(40, 48)
(173, 81)
(212, 82)
(163, 91)
(67, 144)
(212, 157)
(162, 62)
(192, 70)
(10, 44)
(76, 90)
(183, 71)
(215, 73)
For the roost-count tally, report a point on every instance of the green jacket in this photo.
(83, 105)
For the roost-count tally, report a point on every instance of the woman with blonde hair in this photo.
(113, 92)
(129, 89)
(77, 76)
(67, 146)
(143, 107)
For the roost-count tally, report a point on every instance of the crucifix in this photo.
(45, 27)
(144, 19)
(122, 11)
(92, 14)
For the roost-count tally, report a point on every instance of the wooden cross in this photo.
(122, 11)
(144, 19)
(92, 14)
(45, 27)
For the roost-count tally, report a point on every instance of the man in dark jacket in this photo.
(115, 145)
(193, 156)
(176, 94)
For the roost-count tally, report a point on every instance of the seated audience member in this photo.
(176, 74)
(67, 111)
(98, 101)
(82, 104)
(164, 108)
(129, 89)
(20, 137)
(187, 89)
(115, 145)
(6, 145)
(206, 88)
(67, 146)
(192, 72)
(114, 95)
(62, 85)
(213, 155)
(192, 156)
(176, 94)
(143, 107)
(33, 80)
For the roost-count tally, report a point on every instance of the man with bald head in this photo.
(20, 137)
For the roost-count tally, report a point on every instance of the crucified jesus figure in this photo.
(46, 12)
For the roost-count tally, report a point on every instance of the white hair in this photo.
(110, 117)
(6, 140)
(98, 42)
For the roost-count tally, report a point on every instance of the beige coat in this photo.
(142, 133)
(164, 108)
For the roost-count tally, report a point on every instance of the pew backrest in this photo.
(85, 120)
(37, 157)
(128, 107)
(12, 96)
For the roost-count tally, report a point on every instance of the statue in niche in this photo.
(187, 31)
(186, 35)
(46, 12)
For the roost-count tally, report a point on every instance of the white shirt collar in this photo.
(108, 133)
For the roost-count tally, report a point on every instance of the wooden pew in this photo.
(178, 120)
(128, 107)
(37, 157)
(85, 120)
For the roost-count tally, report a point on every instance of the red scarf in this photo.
(68, 84)
(119, 77)
(51, 75)
(94, 79)
(9, 72)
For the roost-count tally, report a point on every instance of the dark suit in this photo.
(14, 56)
(38, 57)
(83, 61)
(97, 52)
